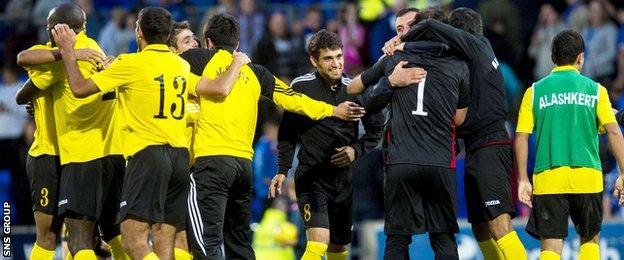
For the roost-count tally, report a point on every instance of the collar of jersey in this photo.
(156, 47)
(81, 36)
(564, 68)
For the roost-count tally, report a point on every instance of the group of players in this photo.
(158, 143)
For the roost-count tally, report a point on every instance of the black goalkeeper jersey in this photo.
(421, 127)
(485, 121)
(318, 139)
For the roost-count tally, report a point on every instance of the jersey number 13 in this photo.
(176, 84)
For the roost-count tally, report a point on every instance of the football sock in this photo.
(549, 255)
(117, 249)
(589, 251)
(511, 246)
(490, 250)
(85, 254)
(40, 253)
(337, 255)
(314, 251)
(181, 254)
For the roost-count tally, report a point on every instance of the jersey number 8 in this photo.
(176, 84)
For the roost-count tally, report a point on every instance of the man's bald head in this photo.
(67, 13)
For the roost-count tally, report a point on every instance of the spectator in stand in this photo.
(94, 19)
(12, 116)
(548, 25)
(264, 165)
(575, 15)
(312, 23)
(618, 84)
(111, 37)
(252, 23)
(40, 15)
(351, 33)
(127, 38)
(600, 44)
(279, 51)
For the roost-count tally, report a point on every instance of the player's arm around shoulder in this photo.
(66, 38)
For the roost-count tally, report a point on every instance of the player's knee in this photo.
(320, 235)
(481, 231)
(402, 241)
(47, 239)
(500, 226)
(594, 239)
(554, 245)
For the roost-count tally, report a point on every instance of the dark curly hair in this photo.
(323, 39)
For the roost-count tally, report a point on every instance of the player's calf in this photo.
(500, 226)
(80, 235)
(318, 240)
(134, 235)
(48, 230)
(164, 239)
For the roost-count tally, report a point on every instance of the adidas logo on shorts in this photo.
(123, 204)
(492, 203)
(62, 202)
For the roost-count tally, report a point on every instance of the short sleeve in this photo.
(118, 73)
(525, 117)
(45, 75)
(604, 111)
(193, 80)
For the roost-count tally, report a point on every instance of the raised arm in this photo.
(459, 40)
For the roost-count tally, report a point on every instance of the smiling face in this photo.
(330, 63)
(185, 40)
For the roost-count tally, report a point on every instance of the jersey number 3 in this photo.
(419, 101)
(176, 84)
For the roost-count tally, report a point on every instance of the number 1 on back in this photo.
(419, 101)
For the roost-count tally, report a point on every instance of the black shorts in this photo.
(44, 175)
(86, 186)
(549, 216)
(487, 182)
(156, 186)
(419, 199)
(325, 200)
